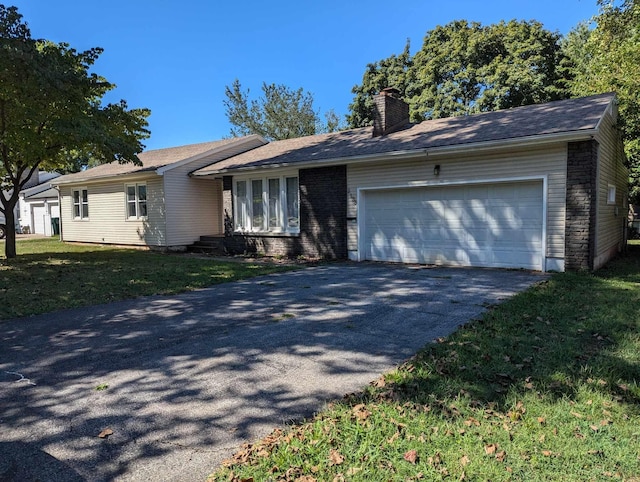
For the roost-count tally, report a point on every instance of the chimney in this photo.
(390, 112)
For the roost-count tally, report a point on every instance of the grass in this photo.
(542, 387)
(48, 275)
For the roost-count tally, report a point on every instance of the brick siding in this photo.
(580, 228)
(323, 219)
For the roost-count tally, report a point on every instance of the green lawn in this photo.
(49, 275)
(543, 387)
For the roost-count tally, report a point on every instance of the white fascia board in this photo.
(252, 139)
(134, 176)
(611, 110)
(458, 149)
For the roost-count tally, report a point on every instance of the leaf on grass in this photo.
(464, 461)
(595, 428)
(335, 458)
(500, 456)
(435, 460)
(304, 478)
(105, 433)
(353, 471)
(577, 415)
(411, 456)
(490, 449)
(471, 421)
(542, 420)
(360, 412)
(393, 438)
(547, 453)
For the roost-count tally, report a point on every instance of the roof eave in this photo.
(127, 176)
(461, 149)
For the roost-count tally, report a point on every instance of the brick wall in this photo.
(580, 228)
(389, 114)
(323, 219)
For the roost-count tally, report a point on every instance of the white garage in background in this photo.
(498, 225)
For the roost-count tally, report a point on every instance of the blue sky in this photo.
(176, 58)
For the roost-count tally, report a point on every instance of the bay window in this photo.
(269, 204)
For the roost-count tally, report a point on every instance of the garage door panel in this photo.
(478, 225)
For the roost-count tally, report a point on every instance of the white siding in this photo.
(550, 162)
(107, 221)
(610, 218)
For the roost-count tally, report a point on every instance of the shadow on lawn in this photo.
(552, 339)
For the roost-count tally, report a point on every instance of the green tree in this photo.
(281, 113)
(394, 71)
(607, 59)
(464, 68)
(50, 107)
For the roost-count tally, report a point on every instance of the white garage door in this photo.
(39, 213)
(492, 225)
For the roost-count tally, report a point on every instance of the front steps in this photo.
(213, 245)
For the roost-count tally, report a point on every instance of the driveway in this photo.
(187, 379)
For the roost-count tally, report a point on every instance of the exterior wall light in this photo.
(436, 170)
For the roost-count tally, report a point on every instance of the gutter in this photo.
(428, 152)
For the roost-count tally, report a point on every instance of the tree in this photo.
(607, 59)
(50, 108)
(464, 68)
(281, 113)
(395, 71)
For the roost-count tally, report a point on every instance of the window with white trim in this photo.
(611, 194)
(80, 202)
(267, 204)
(136, 201)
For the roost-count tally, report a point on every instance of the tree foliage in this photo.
(281, 113)
(51, 111)
(606, 59)
(464, 68)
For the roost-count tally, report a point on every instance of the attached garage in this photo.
(493, 225)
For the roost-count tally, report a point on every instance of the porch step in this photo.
(208, 244)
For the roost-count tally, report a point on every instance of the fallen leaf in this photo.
(353, 471)
(435, 460)
(360, 412)
(411, 456)
(500, 456)
(547, 453)
(490, 449)
(464, 461)
(335, 458)
(595, 428)
(577, 415)
(542, 420)
(105, 433)
(393, 438)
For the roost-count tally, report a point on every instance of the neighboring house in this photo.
(156, 204)
(38, 207)
(38, 177)
(540, 187)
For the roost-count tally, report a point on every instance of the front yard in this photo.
(543, 387)
(49, 275)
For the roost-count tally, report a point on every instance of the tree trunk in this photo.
(10, 220)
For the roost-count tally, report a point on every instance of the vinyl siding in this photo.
(610, 218)
(549, 161)
(107, 221)
(194, 205)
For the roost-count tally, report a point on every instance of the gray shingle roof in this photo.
(151, 160)
(566, 116)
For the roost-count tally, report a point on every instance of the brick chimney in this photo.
(390, 112)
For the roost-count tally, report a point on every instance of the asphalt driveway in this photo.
(187, 379)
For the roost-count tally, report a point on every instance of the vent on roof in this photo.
(390, 112)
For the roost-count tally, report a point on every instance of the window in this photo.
(611, 194)
(80, 200)
(136, 201)
(267, 204)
